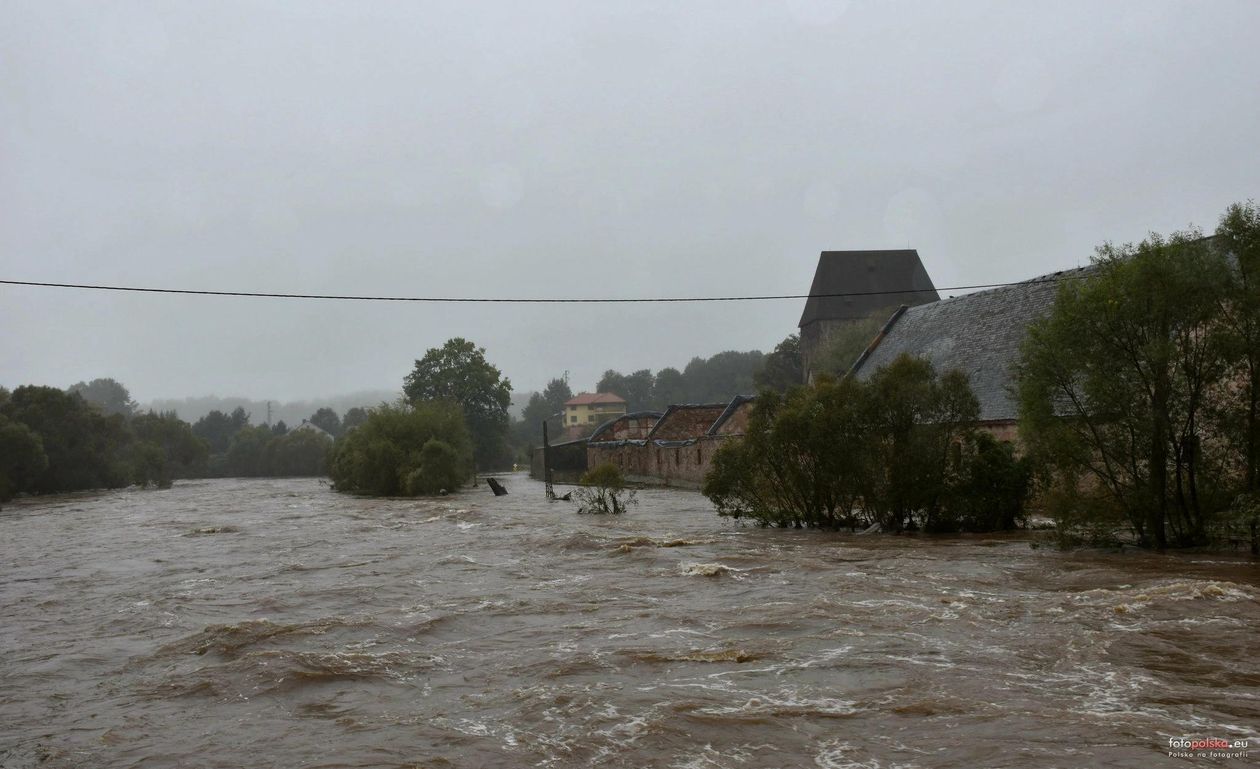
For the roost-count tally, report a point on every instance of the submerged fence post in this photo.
(551, 494)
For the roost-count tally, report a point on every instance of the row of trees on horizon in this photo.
(94, 435)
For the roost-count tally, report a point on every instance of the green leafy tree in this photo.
(721, 377)
(85, 448)
(382, 456)
(635, 388)
(801, 461)
(918, 422)
(545, 406)
(459, 372)
(246, 454)
(1116, 386)
(1238, 236)
(439, 467)
(1237, 411)
(180, 453)
(612, 381)
(992, 489)
(668, 389)
(898, 450)
(22, 458)
(218, 428)
(354, 417)
(782, 369)
(327, 420)
(298, 453)
(107, 394)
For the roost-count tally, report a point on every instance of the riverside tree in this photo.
(405, 450)
(1118, 386)
(1238, 235)
(782, 369)
(85, 448)
(899, 450)
(22, 457)
(459, 372)
(327, 420)
(109, 395)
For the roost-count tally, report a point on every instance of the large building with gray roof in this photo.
(979, 334)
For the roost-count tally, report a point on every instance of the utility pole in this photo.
(551, 494)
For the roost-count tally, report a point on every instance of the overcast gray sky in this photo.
(569, 149)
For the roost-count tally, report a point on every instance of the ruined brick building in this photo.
(673, 448)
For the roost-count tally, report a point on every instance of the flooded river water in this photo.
(274, 623)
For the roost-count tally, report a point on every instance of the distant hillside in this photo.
(291, 412)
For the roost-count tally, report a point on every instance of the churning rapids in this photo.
(274, 623)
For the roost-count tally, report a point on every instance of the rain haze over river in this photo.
(274, 623)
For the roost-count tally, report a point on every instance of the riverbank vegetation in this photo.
(1139, 392)
(54, 440)
(603, 491)
(458, 372)
(91, 436)
(899, 452)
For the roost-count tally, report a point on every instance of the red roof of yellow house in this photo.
(582, 399)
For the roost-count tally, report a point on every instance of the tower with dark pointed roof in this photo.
(854, 286)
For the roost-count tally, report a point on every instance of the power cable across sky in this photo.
(525, 300)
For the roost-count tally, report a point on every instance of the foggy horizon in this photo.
(563, 150)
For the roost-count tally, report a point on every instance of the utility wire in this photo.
(1057, 277)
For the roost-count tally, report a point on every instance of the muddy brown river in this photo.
(274, 623)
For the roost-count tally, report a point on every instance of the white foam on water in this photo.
(787, 703)
(822, 658)
(834, 755)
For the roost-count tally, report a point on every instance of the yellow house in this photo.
(589, 410)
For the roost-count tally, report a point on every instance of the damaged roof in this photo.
(881, 279)
(979, 334)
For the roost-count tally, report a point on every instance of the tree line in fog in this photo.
(716, 379)
(92, 436)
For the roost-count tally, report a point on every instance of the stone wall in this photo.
(681, 463)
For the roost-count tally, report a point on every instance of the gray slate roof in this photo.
(893, 277)
(979, 334)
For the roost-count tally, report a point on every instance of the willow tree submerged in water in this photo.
(405, 450)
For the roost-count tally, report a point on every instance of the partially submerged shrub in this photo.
(603, 491)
